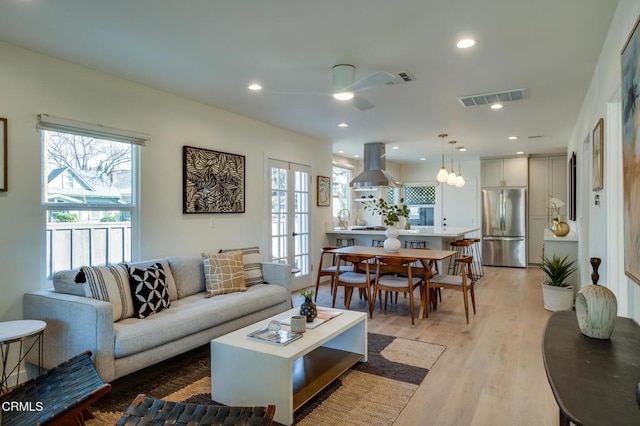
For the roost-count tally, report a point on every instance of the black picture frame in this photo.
(213, 181)
(4, 123)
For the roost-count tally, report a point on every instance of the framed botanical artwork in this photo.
(323, 191)
(630, 142)
(3, 154)
(213, 181)
(597, 148)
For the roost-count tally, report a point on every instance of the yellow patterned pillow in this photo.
(224, 273)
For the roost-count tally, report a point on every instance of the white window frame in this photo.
(135, 139)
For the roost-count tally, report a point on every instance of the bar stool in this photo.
(415, 244)
(377, 243)
(476, 266)
(462, 248)
(345, 241)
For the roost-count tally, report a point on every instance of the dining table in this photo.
(428, 258)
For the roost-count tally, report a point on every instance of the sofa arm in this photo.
(74, 324)
(279, 274)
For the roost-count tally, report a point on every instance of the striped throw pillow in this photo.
(110, 283)
(251, 259)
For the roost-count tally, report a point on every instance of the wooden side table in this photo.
(19, 332)
(593, 380)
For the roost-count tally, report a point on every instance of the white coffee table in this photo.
(252, 373)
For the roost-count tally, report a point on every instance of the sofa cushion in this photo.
(169, 281)
(148, 290)
(109, 283)
(224, 273)
(188, 273)
(251, 259)
(191, 315)
(65, 282)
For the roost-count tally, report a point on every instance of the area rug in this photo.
(371, 393)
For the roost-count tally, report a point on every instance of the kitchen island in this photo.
(434, 237)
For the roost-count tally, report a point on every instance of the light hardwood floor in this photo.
(491, 372)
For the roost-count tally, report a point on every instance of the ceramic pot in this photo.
(596, 310)
(560, 228)
(308, 309)
(557, 298)
(392, 244)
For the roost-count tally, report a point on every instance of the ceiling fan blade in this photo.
(376, 79)
(362, 104)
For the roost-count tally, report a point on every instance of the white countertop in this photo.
(448, 231)
(570, 237)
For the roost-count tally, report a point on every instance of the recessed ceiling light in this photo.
(255, 87)
(341, 152)
(395, 147)
(520, 152)
(513, 138)
(496, 106)
(343, 124)
(356, 156)
(423, 158)
(462, 148)
(343, 96)
(465, 43)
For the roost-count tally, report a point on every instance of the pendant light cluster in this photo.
(449, 177)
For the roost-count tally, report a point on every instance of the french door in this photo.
(289, 217)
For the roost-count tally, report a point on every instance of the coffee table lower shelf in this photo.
(317, 369)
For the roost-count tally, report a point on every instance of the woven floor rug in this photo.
(371, 393)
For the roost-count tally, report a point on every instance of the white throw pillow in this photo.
(110, 283)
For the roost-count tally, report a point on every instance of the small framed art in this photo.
(597, 148)
(323, 191)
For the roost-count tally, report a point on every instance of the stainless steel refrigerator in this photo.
(504, 227)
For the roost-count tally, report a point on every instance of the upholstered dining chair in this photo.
(353, 271)
(463, 282)
(402, 282)
(327, 271)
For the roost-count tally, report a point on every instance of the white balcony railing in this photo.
(72, 245)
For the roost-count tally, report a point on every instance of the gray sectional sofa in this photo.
(76, 323)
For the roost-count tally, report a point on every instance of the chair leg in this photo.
(411, 304)
(473, 299)
(348, 292)
(427, 303)
(466, 304)
(335, 293)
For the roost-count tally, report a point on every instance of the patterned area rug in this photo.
(395, 369)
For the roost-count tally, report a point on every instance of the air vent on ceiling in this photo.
(402, 77)
(491, 98)
(534, 137)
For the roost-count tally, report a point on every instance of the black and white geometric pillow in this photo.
(148, 290)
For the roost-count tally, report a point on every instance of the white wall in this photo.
(31, 83)
(600, 227)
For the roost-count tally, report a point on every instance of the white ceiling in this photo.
(210, 50)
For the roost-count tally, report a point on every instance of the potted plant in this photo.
(556, 293)
(391, 215)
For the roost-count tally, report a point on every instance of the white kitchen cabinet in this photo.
(547, 176)
(504, 172)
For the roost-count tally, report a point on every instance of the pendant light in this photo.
(442, 174)
(452, 178)
(459, 180)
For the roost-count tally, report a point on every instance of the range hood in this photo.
(374, 165)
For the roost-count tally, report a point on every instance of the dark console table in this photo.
(593, 380)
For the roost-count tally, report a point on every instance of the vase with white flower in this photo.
(559, 228)
(391, 214)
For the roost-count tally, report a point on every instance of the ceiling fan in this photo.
(345, 85)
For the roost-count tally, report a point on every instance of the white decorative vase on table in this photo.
(392, 243)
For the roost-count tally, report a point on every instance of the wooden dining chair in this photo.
(353, 271)
(402, 282)
(328, 271)
(463, 282)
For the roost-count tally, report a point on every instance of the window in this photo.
(421, 201)
(340, 189)
(89, 196)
